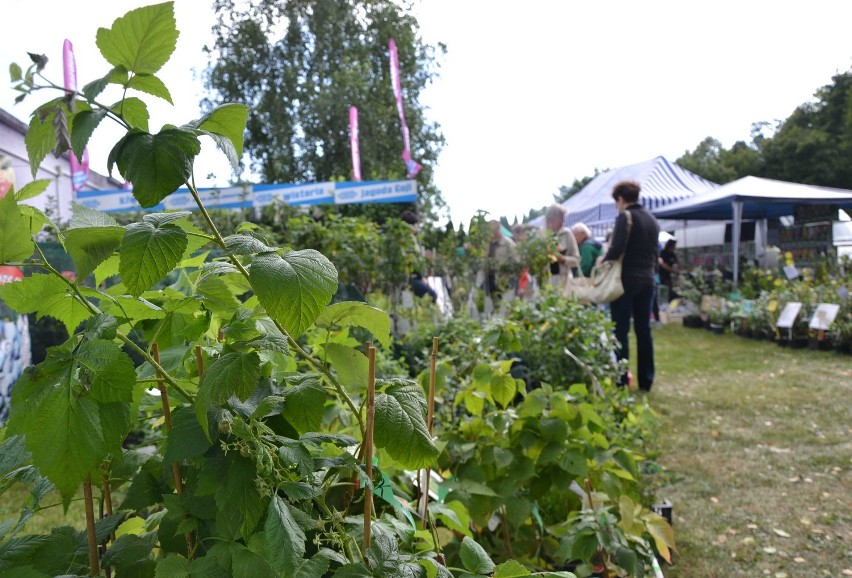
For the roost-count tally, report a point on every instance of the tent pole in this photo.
(735, 238)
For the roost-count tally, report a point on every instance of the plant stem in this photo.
(94, 562)
(219, 240)
(368, 444)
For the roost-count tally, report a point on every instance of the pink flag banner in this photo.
(412, 167)
(79, 169)
(353, 142)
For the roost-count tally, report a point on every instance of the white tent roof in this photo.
(662, 181)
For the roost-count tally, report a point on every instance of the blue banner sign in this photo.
(249, 196)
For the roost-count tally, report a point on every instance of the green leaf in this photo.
(400, 425)
(186, 439)
(83, 217)
(107, 269)
(510, 569)
(117, 75)
(179, 567)
(67, 432)
(101, 326)
(474, 557)
(285, 540)
(92, 246)
(46, 295)
(134, 111)
(142, 40)
(503, 389)
(40, 140)
(85, 123)
(150, 84)
(156, 164)
(32, 189)
(225, 125)
(627, 559)
(305, 405)
(247, 564)
(238, 491)
(350, 364)
(245, 245)
(16, 242)
(128, 550)
(149, 250)
(15, 72)
(294, 287)
(317, 566)
(107, 370)
(349, 313)
(232, 374)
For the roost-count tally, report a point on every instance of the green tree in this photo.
(566, 192)
(707, 161)
(300, 64)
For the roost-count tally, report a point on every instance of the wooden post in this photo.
(94, 561)
(167, 419)
(423, 506)
(368, 443)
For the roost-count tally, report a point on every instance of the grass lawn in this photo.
(756, 445)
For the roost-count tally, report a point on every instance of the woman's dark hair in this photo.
(627, 190)
(670, 245)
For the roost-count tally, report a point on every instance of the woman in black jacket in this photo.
(638, 243)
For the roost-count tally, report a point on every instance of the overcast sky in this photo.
(534, 94)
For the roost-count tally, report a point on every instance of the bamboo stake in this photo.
(368, 443)
(423, 506)
(167, 418)
(94, 561)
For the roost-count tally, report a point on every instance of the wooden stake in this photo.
(423, 506)
(368, 443)
(167, 418)
(94, 561)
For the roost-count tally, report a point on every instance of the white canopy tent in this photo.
(752, 198)
(662, 181)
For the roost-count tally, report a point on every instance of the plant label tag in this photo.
(772, 306)
(791, 272)
(824, 316)
(789, 314)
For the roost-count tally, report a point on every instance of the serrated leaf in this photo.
(83, 217)
(662, 534)
(107, 269)
(16, 242)
(245, 245)
(156, 164)
(101, 326)
(107, 370)
(510, 569)
(294, 287)
(67, 432)
(149, 250)
(92, 246)
(179, 567)
(225, 125)
(237, 490)
(317, 566)
(186, 439)
(142, 40)
(32, 189)
(37, 220)
(305, 405)
(474, 557)
(150, 84)
(134, 111)
(400, 425)
(285, 540)
(232, 374)
(503, 389)
(349, 313)
(40, 140)
(128, 550)
(117, 75)
(84, 124)
(45, 295)
(350, 364)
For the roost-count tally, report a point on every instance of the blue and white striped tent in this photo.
(662, 181)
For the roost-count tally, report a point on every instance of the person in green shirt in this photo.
(590, 249)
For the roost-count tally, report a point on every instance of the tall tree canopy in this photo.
(300, 64)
